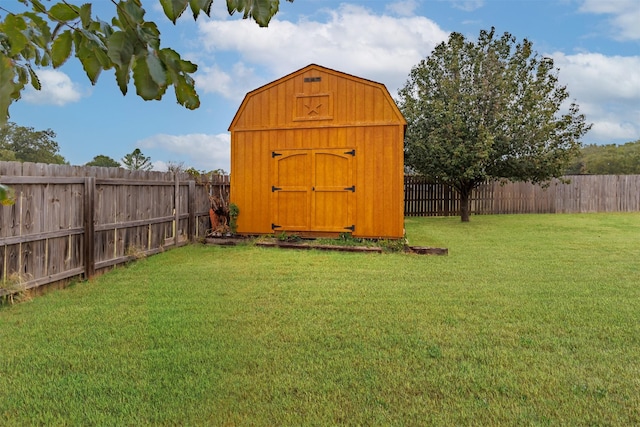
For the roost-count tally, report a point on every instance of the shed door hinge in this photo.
(352, 152)
(352, 189)
(274, 188)
(274, 154)
(274, 226)
(352, 228)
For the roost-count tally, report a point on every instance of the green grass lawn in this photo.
(530, 320)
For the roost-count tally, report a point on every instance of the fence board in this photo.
(582, 194)
(70, 220)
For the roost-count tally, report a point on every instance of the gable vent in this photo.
(312, 79)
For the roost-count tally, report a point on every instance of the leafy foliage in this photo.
(104, 161)
(175, 167)
(137, 161)
(488, 110)
(7, 195)
(610, 159)
(128, 44)
(234, 211)
(25, 144)
(204, 177)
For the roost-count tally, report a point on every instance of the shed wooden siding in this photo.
(352, 113)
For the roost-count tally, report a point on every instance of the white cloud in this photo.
(607, 89)
(353, 40)
(599, 77)
(605, 131)
(159, 166)
(201, 151)
(625, 16)
(56, 89)
(212, 79)
(402, 7)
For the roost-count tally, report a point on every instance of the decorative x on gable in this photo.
(313, 107)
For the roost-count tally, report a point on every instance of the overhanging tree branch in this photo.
(129, 44)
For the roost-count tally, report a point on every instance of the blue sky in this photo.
(595, 45)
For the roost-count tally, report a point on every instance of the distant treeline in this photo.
(608, 159)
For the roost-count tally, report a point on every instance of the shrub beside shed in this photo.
(319, 152)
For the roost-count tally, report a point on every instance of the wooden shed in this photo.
(319, 152)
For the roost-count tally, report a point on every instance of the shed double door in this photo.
(313, 190)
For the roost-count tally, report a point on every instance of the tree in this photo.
(610, 159)
(104, 161)
(25, 144)
(126, 43)
(488, 110)
(175, 167)
(137, 161)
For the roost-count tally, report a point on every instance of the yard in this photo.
(530, 320)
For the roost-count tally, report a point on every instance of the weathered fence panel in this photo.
(72, 221)
(426, 198)
(581, 194)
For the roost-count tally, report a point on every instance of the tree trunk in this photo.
(465, 205)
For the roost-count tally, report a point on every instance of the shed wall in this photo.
(378, 171)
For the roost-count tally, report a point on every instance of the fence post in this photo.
(176, 210)
(89, 231)
(192, 210)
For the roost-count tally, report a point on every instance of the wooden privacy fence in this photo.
(583, 193)
(72, 221)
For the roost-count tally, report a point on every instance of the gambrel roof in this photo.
(316, 96)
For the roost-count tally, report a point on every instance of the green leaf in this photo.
(92, 37)
(183, 84)
(61, 48)
(186, 94)
(102, 27)
(45, 61)
(9, 90)
(122, 78)
(120, 49)
(156, 69)
(91, 66)
(146, 87)
(172, 59)
(173, 8)
(13, 27)
(200, 5)
(22, 74)
(260, 10)
(92, 41)
(188, 67)
(103, 58)
(85, 15)
(149, 34)
(38, 6)
(130, 12)
(64, 12)
(39, 29)
(89, 61)
(35, 81)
